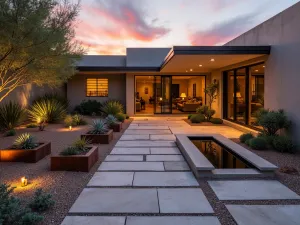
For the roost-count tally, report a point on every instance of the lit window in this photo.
(96, 87)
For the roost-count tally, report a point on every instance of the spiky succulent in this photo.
(25, 141)
(99, 127)
(112, 107)
(82, 144)
(78, 120)
(111, 120)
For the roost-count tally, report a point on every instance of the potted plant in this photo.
(100, 132)
(25, 149)
(113, 123)
(80, 156)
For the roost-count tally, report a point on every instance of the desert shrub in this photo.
(12, 211)
(78, 120)
(41, 201)
(208, 113)
(121, 117)
(216, 120)
(189, 116)
(99, 127)
(197, 118)
(283, 144)
(25, 141)
(258, 143)
(245, 137)
(11, 115)
(112, 107)
(70, 150)
(81, 144)
(53, 96)
(47, 110)
(32, 125)
(88, 107)
(111, 120)
(272, 121)
(11, 132)
(247, 142)
(68, 121)
(127, 117)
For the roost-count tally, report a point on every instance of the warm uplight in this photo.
(212, 60)
(24, 182)
(200, 65)
(70, 128)
(38, 120)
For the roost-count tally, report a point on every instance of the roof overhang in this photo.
(117, 69)
(208, 58)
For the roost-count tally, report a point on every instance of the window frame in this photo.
(97, 90)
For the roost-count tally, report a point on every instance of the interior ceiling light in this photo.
(191, 69)
(212, 60)
(256, 70)
(200, 65)
(263, 66)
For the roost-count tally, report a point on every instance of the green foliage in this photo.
(247, 142)
(258, 143)
(121, 117)
(81, 144)
(53, 96)
(68, 121)
(208, 113)
(127, 117)
(78, 120)
(37, 43)
(189, 116)
(111, 120)
(212, 92)
(112, 107)
(41, 201)
(272, 121)
(99, 127)
(11, 115)
(216, 120)
(47, 110)
(32, 125)
(197, 118)
(245, 137)
(283, 144)
(69, 151)
(12, 211)
(11, 132)
(25, 141)
(88, 107)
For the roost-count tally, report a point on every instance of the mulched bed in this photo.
(64, 186)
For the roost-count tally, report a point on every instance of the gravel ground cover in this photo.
(64, 186)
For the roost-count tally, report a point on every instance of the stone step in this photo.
(147, 132)
(131, 166)
(165, 151)
(145, 144)
(164, 158)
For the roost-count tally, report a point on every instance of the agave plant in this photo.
(112, 107)
(25, 141)
(99, 127)
(81, 144)
(111, 120)
(11, 115)
(47, 110)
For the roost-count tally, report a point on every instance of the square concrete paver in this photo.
(131, 166)
(141, 127)
(130, 151)
(185, 200)
(172, 220)
(130, 137)
(146, 143)
(179, 166)
(164, 179)
(111, 179)
(167, 137)
(162, 158)
(251, 190)
(94, 220)
(116, 200)
(165, 151)
(265, 214)
(147, 132)
(125, 158)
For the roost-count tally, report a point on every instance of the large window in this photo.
(96, 87)
(244, 93)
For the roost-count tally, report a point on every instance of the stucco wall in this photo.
(130, 94)
(282, 72)
(76, 88)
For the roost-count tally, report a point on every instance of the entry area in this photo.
(166, 94)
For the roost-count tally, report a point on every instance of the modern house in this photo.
(258, 69)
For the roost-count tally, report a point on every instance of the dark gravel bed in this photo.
(64, 186)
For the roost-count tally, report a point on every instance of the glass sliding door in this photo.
(157, 94)
(162, 94)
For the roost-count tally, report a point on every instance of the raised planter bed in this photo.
(25, 155)
(99, 138)
(117, 127)
(82, 163)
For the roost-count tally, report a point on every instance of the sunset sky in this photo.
(107, 27)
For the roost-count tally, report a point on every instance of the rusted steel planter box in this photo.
(117, 127)
(25, 155)
(82, 163)
(100, 138)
